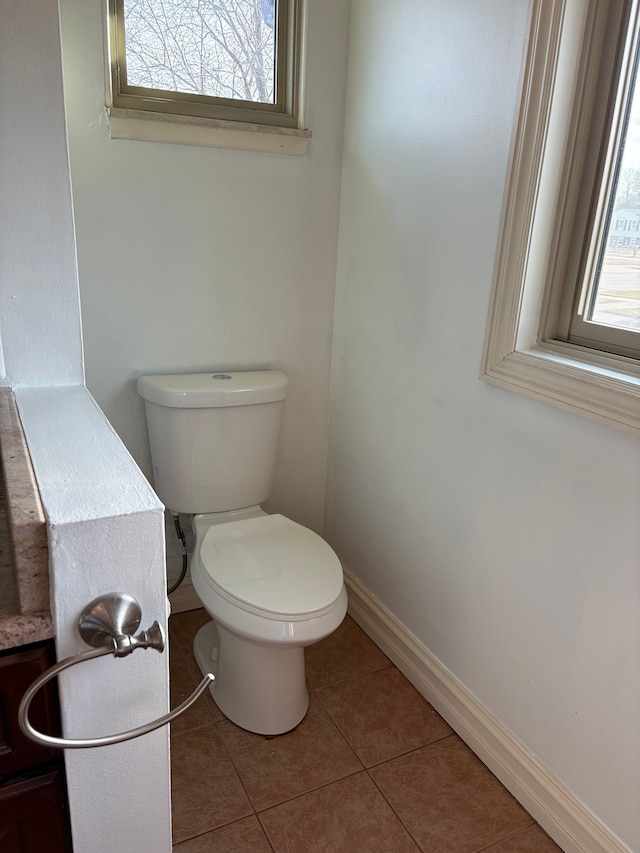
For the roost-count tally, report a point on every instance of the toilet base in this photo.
(259, 687)
(206, 647)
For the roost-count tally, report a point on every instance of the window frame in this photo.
(522, 350)
(158, 105)
(609, 90)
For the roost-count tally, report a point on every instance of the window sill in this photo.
(575, 380)
(211, 133)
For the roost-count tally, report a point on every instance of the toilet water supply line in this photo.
(180, 534)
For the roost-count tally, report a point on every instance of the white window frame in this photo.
(193, 120)
(517, 355)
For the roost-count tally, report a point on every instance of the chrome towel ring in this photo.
(108, 624)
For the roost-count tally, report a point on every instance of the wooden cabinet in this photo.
(33, 801)
(18, 669)
(33, 816)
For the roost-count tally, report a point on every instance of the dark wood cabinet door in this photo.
(33, 815)
(18, 669)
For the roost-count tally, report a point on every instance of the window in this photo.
(602, 311)
(564, 323)
(207, 62)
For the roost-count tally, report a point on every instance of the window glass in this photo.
(615, 298)
(217, 48)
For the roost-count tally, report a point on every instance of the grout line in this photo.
(409, 751)
(233, 764)
(311, 791)
(265, 833)
(224, 826)
(174, 847)
(384, 760)
(193, 728)
(349, 678)
(494, 843)
(257, 811)
(393, 811)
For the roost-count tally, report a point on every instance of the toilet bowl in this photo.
(272, 587)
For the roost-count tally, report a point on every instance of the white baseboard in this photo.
(572, 826)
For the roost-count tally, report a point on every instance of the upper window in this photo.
(234, 60)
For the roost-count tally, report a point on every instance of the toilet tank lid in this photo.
(205, 390)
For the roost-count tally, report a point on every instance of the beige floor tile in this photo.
(349, 816)
(382, 715)
(184, 626)
(275, 769)
(184, 677)
(245, 836)
(206, 792)
(346, 653)
(530, 840)
(448, 800)
(309, 785)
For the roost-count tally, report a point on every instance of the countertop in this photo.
(25, 615)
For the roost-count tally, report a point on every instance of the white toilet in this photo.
(270, 585)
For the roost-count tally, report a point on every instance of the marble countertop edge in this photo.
(24, 557)
(19, 629)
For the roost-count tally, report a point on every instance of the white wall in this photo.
(104, 524)
(502, 533)
(105, 534)
(39, 311)
(198, 258)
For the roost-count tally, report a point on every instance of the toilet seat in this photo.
(272, 567)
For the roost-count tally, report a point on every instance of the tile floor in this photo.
(372, 767)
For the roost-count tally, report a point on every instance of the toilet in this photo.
(270, 585)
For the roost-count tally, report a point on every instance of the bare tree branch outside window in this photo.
(219, 48)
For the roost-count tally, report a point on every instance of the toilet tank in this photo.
(213, 437)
